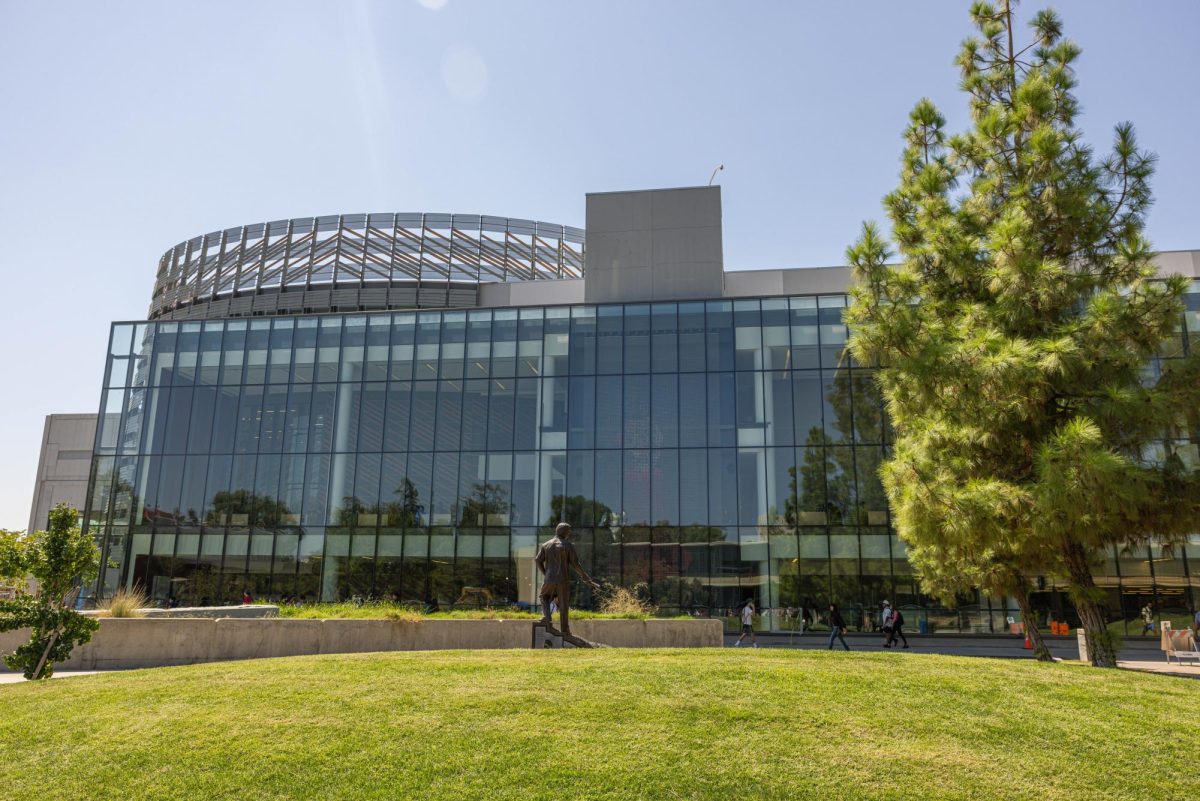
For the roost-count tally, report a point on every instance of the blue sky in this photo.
(127, 127)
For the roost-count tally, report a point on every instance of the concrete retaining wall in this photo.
(123, 643)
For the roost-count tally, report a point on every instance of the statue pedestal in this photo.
(549, 637)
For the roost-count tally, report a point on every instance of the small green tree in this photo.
(59, 559)
(1016, 334)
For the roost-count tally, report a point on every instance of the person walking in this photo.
(897, 629)
(837, 627)
(885, 624)
(748, 624)
(1147, 620)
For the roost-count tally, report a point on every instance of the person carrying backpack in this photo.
(897, 630)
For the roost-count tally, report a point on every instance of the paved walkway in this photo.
(1191, 671)
(1139, 653)
(7, 677)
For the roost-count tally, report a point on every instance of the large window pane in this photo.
(424, 415)
(581, 411)
(808, 403)
(664, 487)
(637, 339)
(474, 414)
(501, 409)
(719, 335)
(664, 338)
(609, 339)
(371, 416)
(636, 489)
(664, 411)
(833, 331)
(805, 337)
(449, 415)
(349, 396)
(637, 411)
(693, 410)
(692, 337)
(609, 419)
(722, 421)
(722, 486)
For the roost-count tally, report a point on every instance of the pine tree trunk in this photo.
(1100, 646)
(1040, 651)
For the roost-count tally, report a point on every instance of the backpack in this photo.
(897, 618)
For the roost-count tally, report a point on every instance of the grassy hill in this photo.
(612, 724)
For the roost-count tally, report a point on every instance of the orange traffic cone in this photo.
(1028, 644)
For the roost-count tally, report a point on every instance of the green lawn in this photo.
(613, 724)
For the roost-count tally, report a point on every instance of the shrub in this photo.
(62, 560)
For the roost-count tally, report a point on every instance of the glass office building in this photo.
(705, 450)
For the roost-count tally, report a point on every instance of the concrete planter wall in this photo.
(123, 643)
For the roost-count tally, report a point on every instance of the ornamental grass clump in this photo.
(397, 615)
(623, 602)
(125, 603)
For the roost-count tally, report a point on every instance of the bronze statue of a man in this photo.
(556, 558)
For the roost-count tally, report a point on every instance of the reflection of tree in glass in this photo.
(486, 504)
(351, 508)
(578, 510)
(408, 510)
(810, 495)
(260, 510)
(858, 415)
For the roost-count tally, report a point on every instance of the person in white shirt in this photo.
(894, 626)
(885, 624)
(748, 624)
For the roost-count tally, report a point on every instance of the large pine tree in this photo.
(1017, 334)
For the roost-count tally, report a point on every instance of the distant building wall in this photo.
(62, 475)
(662, 244)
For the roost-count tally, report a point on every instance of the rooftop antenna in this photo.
(713, 177)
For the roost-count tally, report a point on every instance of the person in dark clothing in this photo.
(897, 623)
(837, 627)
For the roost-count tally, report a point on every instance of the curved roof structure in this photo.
(358, 262)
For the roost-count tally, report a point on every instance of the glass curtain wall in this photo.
(706, 453)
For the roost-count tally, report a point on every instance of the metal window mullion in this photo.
(262, 260)
(241, 258)
(450, 240)
(362, 267)
(337, 250)
(220, 264)
(202, 272)
(312, 255)
(562, 270)
(391, 279)
(507, 234)
(289, 237)
(421, 268)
